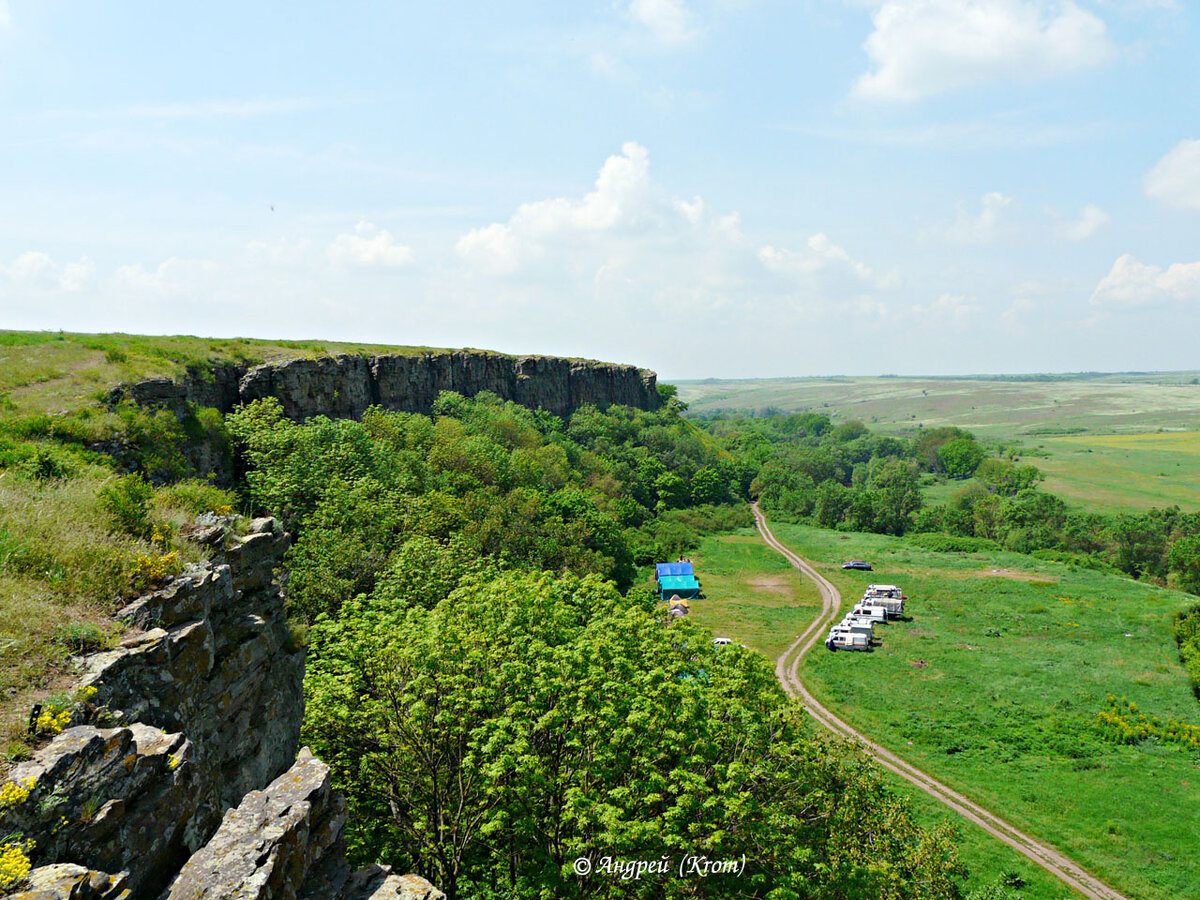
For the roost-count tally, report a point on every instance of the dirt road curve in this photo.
(787, 670)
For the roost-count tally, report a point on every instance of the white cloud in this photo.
(622, 200)
(670, 21)
(947, 308)
(820, 254)
(628, 245)
(37, 269)
(5, 18)
(369, 247)
(1091, 220)
(983, 228)
(1176, 178)
(1133, 284)
(172, 276)
(925, 47)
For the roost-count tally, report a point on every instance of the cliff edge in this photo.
(345, 386)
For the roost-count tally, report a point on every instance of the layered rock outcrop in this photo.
(179, 769)
(346, 386)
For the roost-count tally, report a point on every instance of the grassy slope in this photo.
(45, 372)
(1008, 717)
(754, 596)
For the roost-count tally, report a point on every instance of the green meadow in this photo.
(1111, 472)
(995, 686)
(753, 595)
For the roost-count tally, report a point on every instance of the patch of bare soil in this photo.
(776, 585)
(1017, 575)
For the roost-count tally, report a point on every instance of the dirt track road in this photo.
(787, 671)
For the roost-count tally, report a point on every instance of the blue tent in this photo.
(664, 569)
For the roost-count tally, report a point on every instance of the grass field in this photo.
(753, 595)
(1110, 472)
(995, 685)
(998, 409)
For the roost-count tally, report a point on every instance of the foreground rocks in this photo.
(180, 771)
(285, 843)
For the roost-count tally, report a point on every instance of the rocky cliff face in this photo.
(346, 386)
(180, 771)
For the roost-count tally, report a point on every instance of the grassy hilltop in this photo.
(56, 372)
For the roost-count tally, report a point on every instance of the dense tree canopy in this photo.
(526, 721)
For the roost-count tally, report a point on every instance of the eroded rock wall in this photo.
(346, 386)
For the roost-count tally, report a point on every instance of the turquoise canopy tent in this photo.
(682, 586)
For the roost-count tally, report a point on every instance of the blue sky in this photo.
(705, 187)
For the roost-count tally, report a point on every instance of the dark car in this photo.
(857, 564)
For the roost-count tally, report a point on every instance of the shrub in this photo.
(45, 465)
(1124, 723)
(127, 503)
(153, 571)
(952, 543)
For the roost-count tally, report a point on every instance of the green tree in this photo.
(1005, 477)
(960, 457)
(1184, 562)
(708, 486)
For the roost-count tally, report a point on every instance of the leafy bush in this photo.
(45, 464)
(154, 570)
(952, 543)
(574, 724)
(1187, 635)
(127, 502)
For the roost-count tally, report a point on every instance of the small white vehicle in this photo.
(722, 642)
(840, 639)
(870, 611)
(858, 625)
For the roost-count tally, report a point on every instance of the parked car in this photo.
(858, 564)
(722, 642)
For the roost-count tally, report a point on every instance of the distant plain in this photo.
(1104, 442)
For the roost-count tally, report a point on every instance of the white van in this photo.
(840, 639)
(870, 611)
(857, 624)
